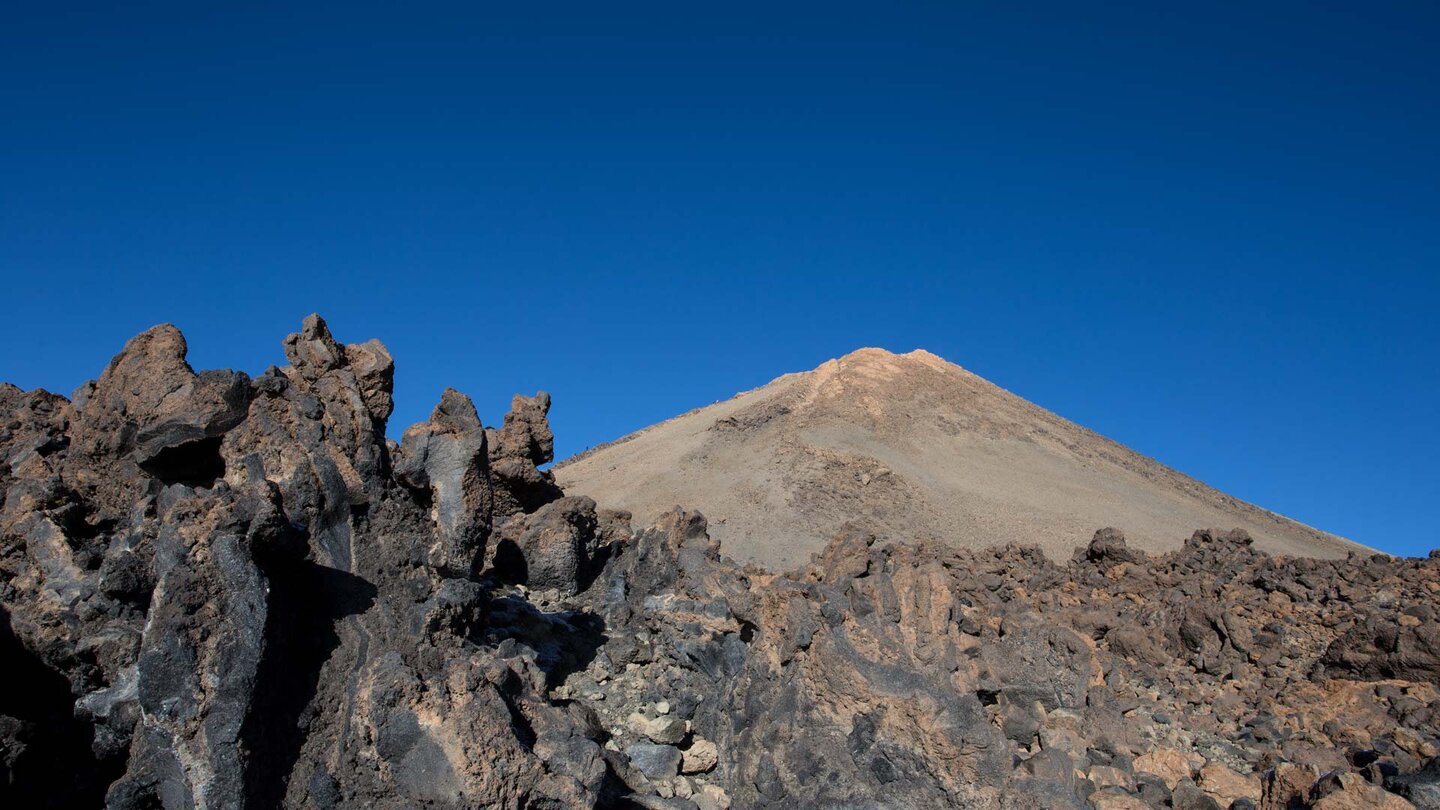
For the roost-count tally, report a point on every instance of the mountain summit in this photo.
(910, 447)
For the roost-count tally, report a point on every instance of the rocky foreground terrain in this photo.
(226, 592)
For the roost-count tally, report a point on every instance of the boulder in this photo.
(701, 757)
(553, 547)
(1170, 765)
(653, 760)
(446, 459)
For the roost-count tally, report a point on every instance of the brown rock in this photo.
(1357, 794)
(663, 730)
(1106, 776)
(1111, 799)
(1412, 743)
(711, 797)
(516, 450)
(1167, 763)
(701, 757)
(1285, 786)
(1225, 785)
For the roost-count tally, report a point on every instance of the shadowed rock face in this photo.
(219, 592)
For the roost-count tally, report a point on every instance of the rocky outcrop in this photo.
(556, 546)
(444, 461)
(218, 591)
(517, 449)
(237, 593)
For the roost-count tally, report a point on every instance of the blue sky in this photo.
(1209, 233)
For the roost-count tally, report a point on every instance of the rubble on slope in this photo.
(218, 591)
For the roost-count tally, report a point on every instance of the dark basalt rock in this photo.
(1380, 647)
(218, 591)
(655, 761)
(556, 546)
(446, 459)
(1108, 545)
(516, 450)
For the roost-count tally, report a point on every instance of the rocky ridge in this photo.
(219, 591)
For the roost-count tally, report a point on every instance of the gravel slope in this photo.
(913, 448)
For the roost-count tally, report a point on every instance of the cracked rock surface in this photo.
(219, 591)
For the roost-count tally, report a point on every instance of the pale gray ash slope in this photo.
(225, 592)
(910, 447)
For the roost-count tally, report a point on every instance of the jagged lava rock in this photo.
(218, 591)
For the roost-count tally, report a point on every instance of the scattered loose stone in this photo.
(657, 762)
(1225, 785)
(712, 797)
(665, 730)
(701, 757)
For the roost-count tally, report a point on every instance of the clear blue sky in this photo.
(1211, 232)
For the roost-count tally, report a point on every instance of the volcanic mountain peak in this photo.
(877, 364)
(910, 447)
(884, 359)
(892, 375)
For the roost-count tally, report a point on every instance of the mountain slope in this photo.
(911, 447)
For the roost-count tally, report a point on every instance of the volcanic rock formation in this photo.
(909, 447)
(225, 592)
